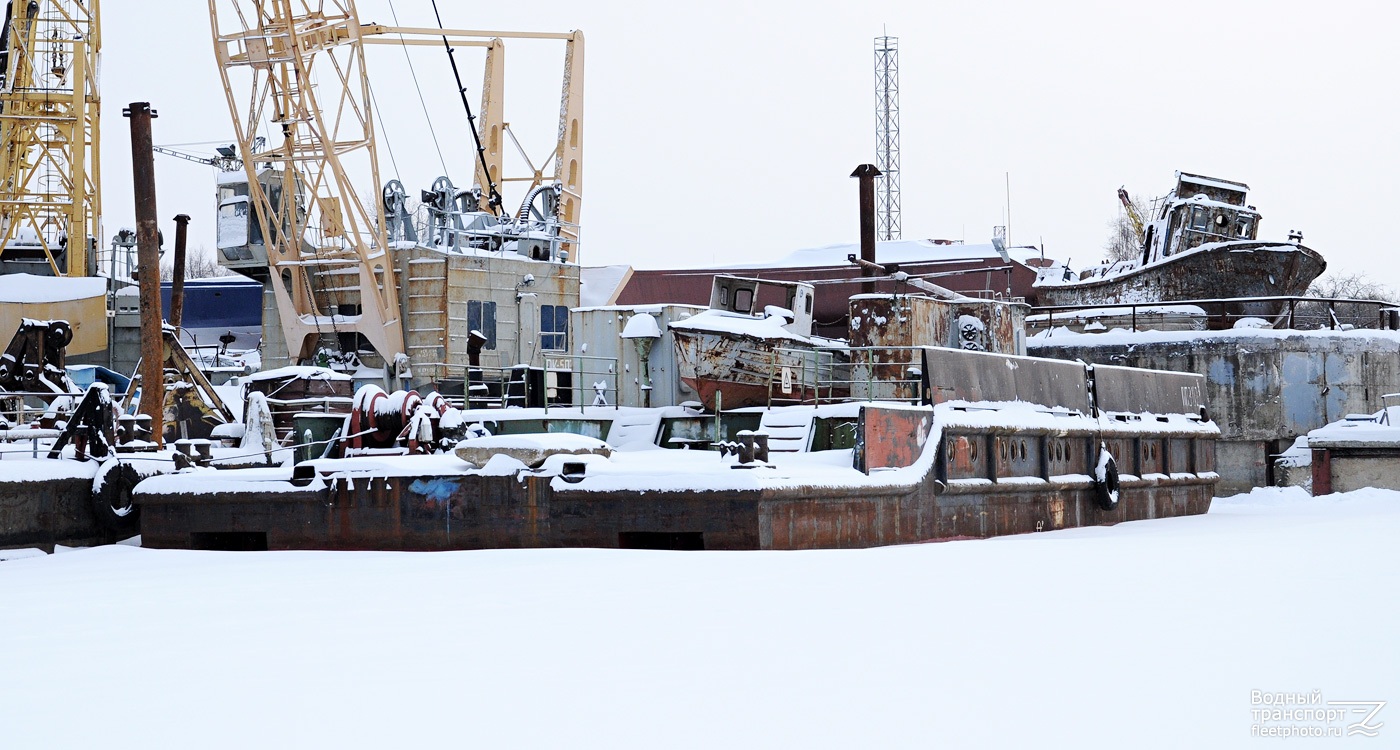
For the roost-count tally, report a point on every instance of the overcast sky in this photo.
(725, 132)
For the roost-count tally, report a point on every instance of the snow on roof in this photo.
(232, 279)
(893, 251)
(600, 285)
(1199, 199)
(28, 288)
(1214, 182)
(723, 321)
(1359, 431)
(655, 308)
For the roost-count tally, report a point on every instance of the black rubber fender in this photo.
(113, 503)
(1106, 491)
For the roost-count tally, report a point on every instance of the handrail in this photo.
(1331, 319)
(843, 374)
(503, 376)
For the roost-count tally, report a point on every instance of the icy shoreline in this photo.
(1111, 634)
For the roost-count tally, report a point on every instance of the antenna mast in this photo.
(887, 136)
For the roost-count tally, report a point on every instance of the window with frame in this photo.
(554, 327)
(1200, 219)
(1246, 226)
(481, 316)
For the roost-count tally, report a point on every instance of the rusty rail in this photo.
(825, 374)
(1332, 321)
(503, 377)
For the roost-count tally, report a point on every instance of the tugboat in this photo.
(1201, 244)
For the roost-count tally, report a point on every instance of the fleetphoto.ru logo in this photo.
(1308, 715)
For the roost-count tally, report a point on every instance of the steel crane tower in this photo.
(887, 136)
(50, 205)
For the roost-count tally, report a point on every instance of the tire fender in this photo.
(1106, 486)
(112, 501)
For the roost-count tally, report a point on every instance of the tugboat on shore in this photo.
(1201, 244)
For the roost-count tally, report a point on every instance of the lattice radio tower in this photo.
(887, 137)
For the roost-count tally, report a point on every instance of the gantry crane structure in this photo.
(296, 68)
(50, 204)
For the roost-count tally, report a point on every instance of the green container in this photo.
(321, 426)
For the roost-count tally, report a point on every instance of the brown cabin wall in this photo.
(692, 286)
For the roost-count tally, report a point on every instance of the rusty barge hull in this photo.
(1225, 271)
(984, 483)
(46, 512)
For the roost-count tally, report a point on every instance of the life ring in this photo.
(1106, 481)
(112, 501)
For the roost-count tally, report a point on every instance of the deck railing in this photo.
(1299, 313)
(857, 373)
(593, 381)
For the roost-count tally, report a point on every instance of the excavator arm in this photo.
(1138, 228)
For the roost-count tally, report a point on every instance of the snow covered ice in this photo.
(1146, 634)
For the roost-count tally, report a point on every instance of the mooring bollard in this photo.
(760, 446)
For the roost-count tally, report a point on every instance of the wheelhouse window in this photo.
(1200, 219)
(481, 316)
(1245, 227)
(554, 327)
(743, 300)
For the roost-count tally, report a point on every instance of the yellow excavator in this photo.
(1139, 228)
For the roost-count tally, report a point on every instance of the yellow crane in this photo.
(50, 205)
(297, 70)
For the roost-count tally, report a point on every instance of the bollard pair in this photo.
(199, 450)
(133, 427)
(752, 447)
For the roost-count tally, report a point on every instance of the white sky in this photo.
(725, 132)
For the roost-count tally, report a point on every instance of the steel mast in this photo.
(887, 136)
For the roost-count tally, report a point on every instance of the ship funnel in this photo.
(867, 173)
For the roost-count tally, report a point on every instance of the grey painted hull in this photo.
(1227, 271)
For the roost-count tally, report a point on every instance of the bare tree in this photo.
(200, 263)
(1353, 285)
(1123, 242)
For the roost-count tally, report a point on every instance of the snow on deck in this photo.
(1145, 634)
(648, 468)
(1059, 336)
(304, 372)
